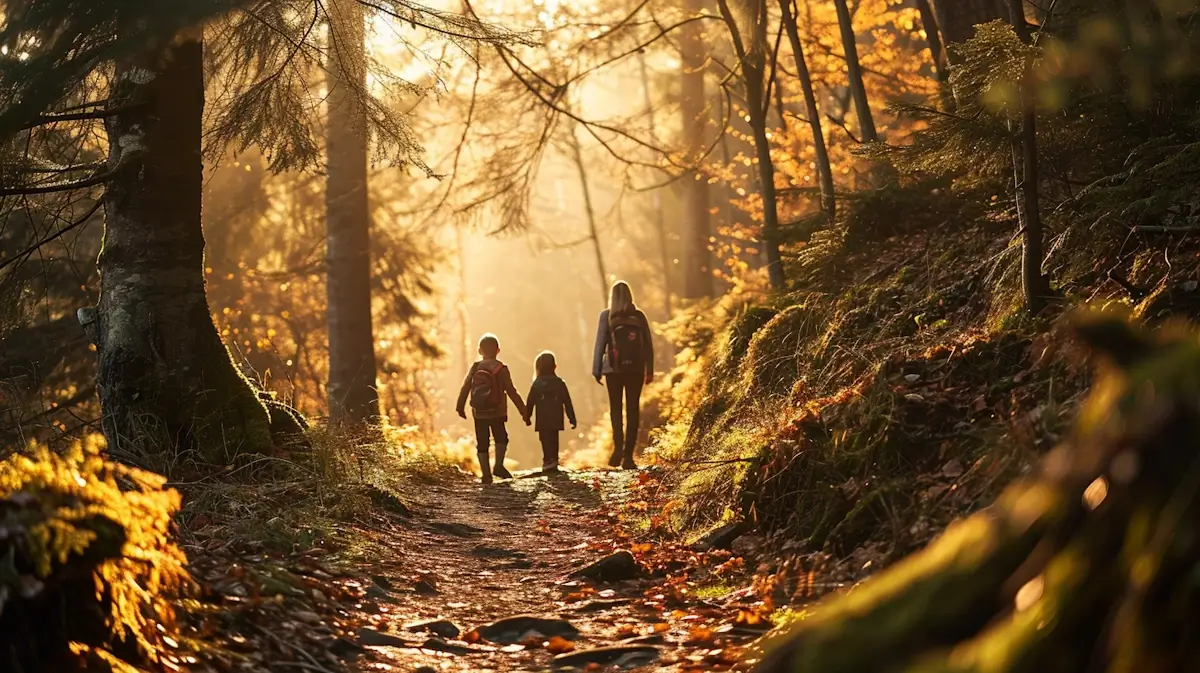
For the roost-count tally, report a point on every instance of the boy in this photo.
(487, 384)
(550, 397)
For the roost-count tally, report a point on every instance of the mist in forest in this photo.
(541, 289)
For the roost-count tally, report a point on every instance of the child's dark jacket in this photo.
(549, 398)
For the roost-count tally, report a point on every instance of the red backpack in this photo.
(486, 394)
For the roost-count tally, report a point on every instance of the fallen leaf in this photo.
(699, 635)
(558, 645)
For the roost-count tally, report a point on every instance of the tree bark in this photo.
(958, 18)
(166, 381)
(660, 218)
(858, 90)
(693, 58)
(1025, 178)
(937, 51)
(752, 57)
(590, 211)
(353, 397)
(820, 152)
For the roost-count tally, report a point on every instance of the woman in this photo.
(624, 357)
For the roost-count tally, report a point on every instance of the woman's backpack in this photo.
(628, 352)
(486, 394)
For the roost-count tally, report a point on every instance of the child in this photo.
(550, 397)
(487, 384)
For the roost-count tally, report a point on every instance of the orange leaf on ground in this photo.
(699, 635)
(747, 618)
(471, 637)
(558, 645)
(661, 626)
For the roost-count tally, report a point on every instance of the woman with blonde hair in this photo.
(623, 360)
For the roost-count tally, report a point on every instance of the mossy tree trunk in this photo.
(353, 397)
(693, 105)
(166, 380)
(751, 51)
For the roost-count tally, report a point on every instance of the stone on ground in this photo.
(520, 628)
(442, 627)
(373, 638)
(623, 656)
(615, 567)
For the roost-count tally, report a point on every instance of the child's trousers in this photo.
(549, 449)
(487, 429)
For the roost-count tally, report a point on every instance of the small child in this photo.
(550, 397)
(487, 384)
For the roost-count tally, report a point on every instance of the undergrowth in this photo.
(306, 498)
(896, 388)
(89, 563)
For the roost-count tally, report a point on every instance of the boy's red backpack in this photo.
(486, 394)
(628, 352)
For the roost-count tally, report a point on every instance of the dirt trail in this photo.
(474, 555)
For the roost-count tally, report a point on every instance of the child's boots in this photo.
(500, 470)
(485, 467)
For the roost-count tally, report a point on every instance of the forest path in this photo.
(474, 554)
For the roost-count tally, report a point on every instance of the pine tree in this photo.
(352, 385)
(163, 373)
(167, 382)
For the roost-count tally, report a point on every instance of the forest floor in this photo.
(487, 578)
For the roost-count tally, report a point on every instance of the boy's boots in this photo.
(500, 470)
(485, 467)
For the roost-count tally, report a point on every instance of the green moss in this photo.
(771, 363)
(93, 537)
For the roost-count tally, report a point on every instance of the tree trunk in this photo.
(167, 384)
(821, 154)
(752, 57)
(937, 51)
(1025, 179)
(660, 218)
(693, 57)
(590, 210)
(858, 90)
(958, 18)
(352, 393)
